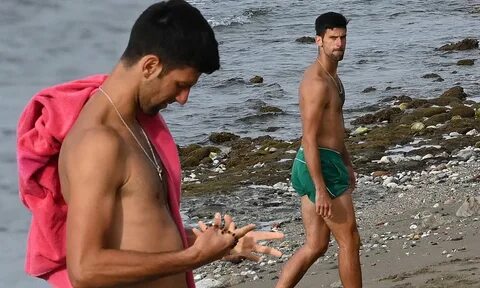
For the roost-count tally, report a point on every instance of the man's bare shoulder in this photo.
(97, 142)
(313, 84)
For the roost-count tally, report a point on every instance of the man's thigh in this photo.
(342, 223)
(316, 230)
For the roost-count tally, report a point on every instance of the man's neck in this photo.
(328, 64)
(121, 88)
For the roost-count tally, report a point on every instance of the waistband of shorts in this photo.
(323, 149)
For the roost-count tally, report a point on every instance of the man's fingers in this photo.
(217, 220)
(240, 232)
(267, 250)
(265, 235)
(228, 221)
(202, 226)
(329, 212)
(196, 232)
(326, 211)
(252, 257)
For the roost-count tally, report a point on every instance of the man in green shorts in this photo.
(322, 171)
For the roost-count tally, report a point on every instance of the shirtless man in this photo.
(322, 172)
(120, 231)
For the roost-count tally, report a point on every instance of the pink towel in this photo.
(41, 129)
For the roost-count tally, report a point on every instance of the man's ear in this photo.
(151, 67)
(319, 41)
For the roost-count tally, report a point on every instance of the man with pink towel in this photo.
(100, 173)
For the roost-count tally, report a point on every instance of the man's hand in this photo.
(248, 244)
(214, 242)
(353, 179)
(323, 204)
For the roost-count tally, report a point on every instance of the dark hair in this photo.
(177, 33)
(329, 20)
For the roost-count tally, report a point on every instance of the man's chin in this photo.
(338, 56)
(154, 111)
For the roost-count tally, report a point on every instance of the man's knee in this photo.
(317, 249)
(350, 239)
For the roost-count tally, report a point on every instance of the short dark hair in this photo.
(329, 20)
(177, 33)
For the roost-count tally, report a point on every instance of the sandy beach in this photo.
(409, 239)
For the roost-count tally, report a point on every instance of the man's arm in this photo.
(346, 156)
(96, 171)
(313, 101)
(348, 162)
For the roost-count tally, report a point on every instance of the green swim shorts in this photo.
(335, 174)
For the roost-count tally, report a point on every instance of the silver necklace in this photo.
(154, 160)
(339, 87)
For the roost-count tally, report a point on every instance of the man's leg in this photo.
(344, 228)
(317, 237)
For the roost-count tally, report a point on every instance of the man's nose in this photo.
(182, 98)
(339, 43)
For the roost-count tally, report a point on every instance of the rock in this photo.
(392, 88)
(392, 185)
(463, 111)
(384, 160)
(365, 119)
(380, 173)
(430, 111)
(466, 62)
(470, 207)
(455, 92)
(465, 44)
(431, 75)
(417, 126)
(438, 119)
(402, 99)
(192, 155)
(360, 131)
(222, 137)
(209, 283)
(305, 40)
(256, 79)
(427, 156)
(445, 101)
(386, 114)
(369, 89)
(403, 106)
(281, 186)
(337, 284)
(417, 103)
(472, 132)
(231, 279)
(270, 109)
(407, 119)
